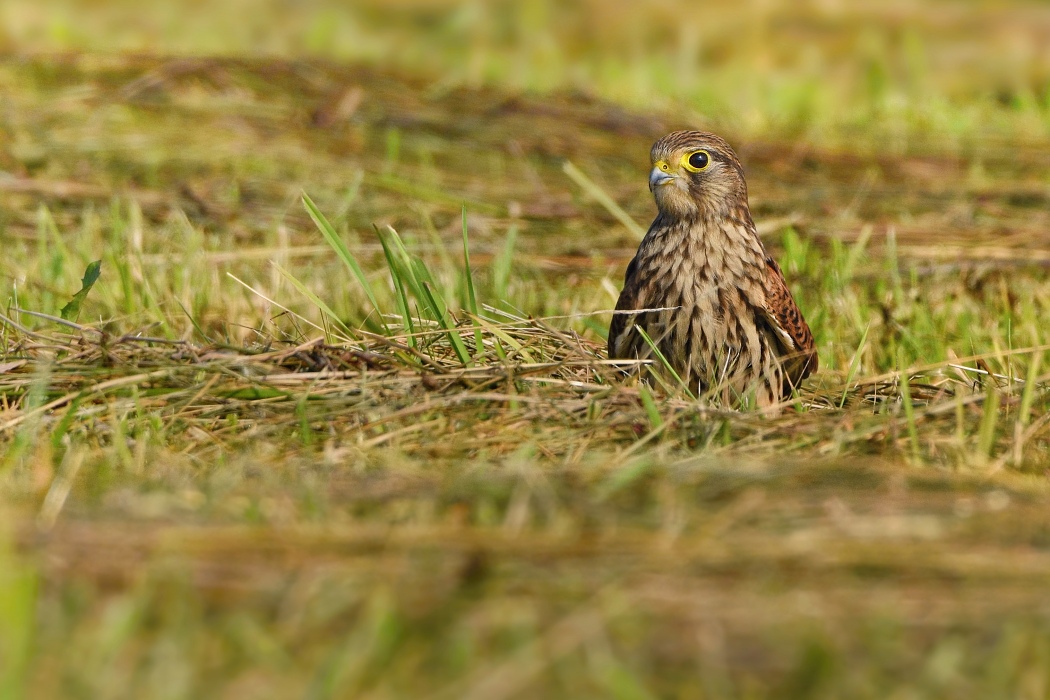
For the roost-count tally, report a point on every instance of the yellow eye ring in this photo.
(695, 161)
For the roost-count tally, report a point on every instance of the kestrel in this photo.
(719, 312)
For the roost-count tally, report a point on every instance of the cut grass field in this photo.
(363, 441)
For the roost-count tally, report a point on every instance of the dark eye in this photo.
(699, 160)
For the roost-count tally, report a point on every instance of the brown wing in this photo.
(783, 314)
(626, 302)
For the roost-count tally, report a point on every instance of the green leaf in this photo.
(71, 310)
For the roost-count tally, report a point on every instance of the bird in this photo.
(704, 290)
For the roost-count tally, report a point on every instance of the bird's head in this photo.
(696, 174)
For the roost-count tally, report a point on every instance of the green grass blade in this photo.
(468, 275)
(989, 421)
(502, 264)
(428, 288)
(314, 299)
(415, 275)
(59, 432)
(453, 335)
(196, 326)
(909, 411)
(663, 361)
(344, 254)
(592, 188)
(1030, 386)
(398, 276)
(481, 324)
(398, 259)
(471, 292)
(507, 339)
(409, 271)
(655, 419)
(854, 365)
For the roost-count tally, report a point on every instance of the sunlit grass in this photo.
(366, 443)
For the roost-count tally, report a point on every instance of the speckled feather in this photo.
(727, 323)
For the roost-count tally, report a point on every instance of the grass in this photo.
(364, 442)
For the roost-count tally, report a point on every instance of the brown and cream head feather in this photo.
(696, 174)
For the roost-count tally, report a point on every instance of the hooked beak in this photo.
(657, 178)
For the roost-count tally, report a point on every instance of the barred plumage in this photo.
(728, 326)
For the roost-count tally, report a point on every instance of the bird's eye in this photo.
(696, 161)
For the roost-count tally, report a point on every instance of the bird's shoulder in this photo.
(783, 314)
(632, 270)
(627, 301)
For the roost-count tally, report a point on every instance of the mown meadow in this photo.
(332, 416)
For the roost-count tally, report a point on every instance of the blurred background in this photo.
(894, 74)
